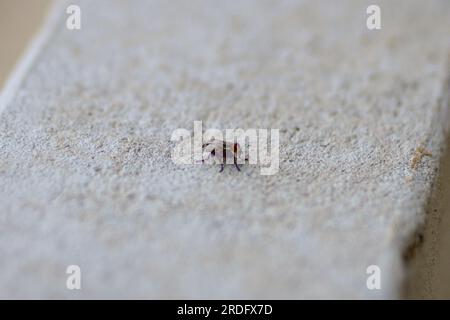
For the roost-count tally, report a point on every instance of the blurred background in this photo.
(20, 20)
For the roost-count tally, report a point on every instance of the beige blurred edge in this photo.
(20, 21)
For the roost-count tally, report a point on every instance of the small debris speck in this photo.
(418, 155)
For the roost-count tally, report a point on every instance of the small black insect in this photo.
(219, 151)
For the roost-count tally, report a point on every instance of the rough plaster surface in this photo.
(86, 176)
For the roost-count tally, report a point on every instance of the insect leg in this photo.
(235, 163)
(224, 157)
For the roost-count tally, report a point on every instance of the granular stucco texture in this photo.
(86, 176)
